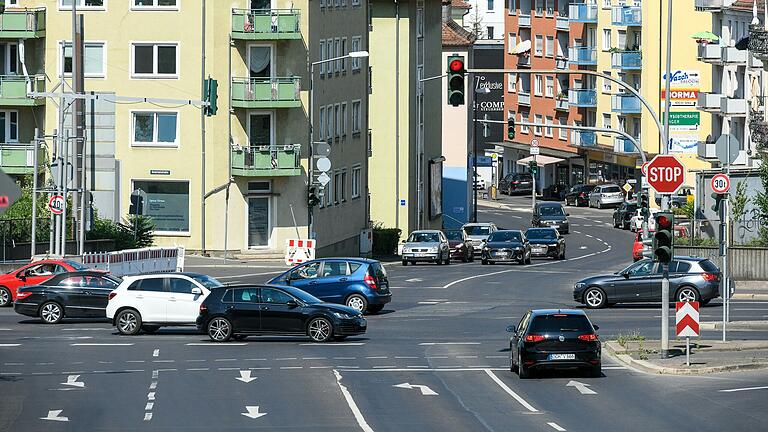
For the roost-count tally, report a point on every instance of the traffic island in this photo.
(706, 356)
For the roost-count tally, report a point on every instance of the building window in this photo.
(155, 129)
(343, 120)
(93, 59)
(512, 7)
(337, 120)
(155, 4)
(538, 120)
(167, 204)
(9, 126)
(524, 118)
(329, 193)
(550, 46)
(343, 185)
(357, 180)
(343, 53)
(356, 43)
(356, 116)
(539, 7)
(329, 122)
(489, 31)
(606, 4)
(512, 82)
(322, 58)
(607, 85)
(606, 39)
(548, 130)
(321, 125)
(511, 42)
(606, 121)
(550, 8)
(550, 90)
(539, 45)
(95, 4)
(490, 6)
(337, 54)
(337, 187)
(355, 2)
(621, 37)
(538, 88)
(155, 60)
(563, 133)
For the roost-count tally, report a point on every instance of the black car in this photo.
(690, 279)
(460, 244)
(82, 294)
(244, 310)
(506, 246)
(516, 183)
(622, 216)
(546, 242)
(550, 214)
(554, 338)
(578, 195)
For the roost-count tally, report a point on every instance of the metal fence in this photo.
(744, 263)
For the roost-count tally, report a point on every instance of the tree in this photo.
(475, 23)
(761, 198)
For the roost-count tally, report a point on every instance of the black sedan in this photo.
(622, 216)
(241, 311)
(690, 279)
(82, 294)
(578, 195)
(516, 183)
(554, 338)
(546, 242)
(550, 214)
(461, 245)
(506, 246)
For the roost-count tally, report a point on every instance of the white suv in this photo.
(148, 302)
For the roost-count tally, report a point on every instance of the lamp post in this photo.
(311, 170)
(481, 90)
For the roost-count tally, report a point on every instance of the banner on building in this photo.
(684, 87)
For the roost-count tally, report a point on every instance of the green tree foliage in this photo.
(16, 222)
(133, 233)
(761, 199)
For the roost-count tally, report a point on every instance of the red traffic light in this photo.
(456, 65)
(663, 222)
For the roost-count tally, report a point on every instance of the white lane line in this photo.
(448, 343)
(101, 344)
(86, 329)
(6, 345)
(510, 392)
(156, 353)
(332, 345)
(149, 406)
(352, 405)
(163, 361)
(135, 361)
(406, 357)
(249, 274)
(743, 389)
(198, 369)
(320, 367)
(345, 358)
(215, 344)
(376, 357)
(147, 416)
(280, 359)
(316, 358)
(228, 360)
(153, 385)
(151, 396)
(5, 329)
(466, 357)
(291, 367)
(556, 426)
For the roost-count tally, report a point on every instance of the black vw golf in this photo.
(554, 338)
(241, 311)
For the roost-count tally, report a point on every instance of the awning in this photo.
(540, 160)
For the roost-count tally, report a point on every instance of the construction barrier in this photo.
(137, 261)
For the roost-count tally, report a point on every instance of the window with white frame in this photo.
(606, 121)
(155, 4)
(337, 54)
(538, 87)
(357, 180)
(9, 126)
(321, 125)
(155, 128)
(606, 4)
(343, 53)
(538, 120)
(562, 133)
(95, 4)
(550, 46)
(524, 116)
(322, 58)
(621, 42)
(511, 42)
(355, 2)
(337, 120)
(539, 7)
(607, 39)
(607, 85)
(343, 184)
(357, 114)
(155, 60)
(512, 82)
(548, 129)
(330, 123)
(512, 7)
(550, 8)
(343, 123)
(93, 59)
(329, 193)
(357, 42)
(550, 88)
(539, 45)
(337, 187)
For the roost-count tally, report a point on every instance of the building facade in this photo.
(486, 18)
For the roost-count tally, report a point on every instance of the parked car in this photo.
(690, 279)
(550, 214)
(516, 183)
(578, 195)
(148, 302)
(240, 311)
(555, 339)
(461, 245)
(426, 245)
(638, 247)
(546, 242)
(80, 294)
(479, 231)
(606, 195)
(679, 199)
(33, 274)
(359, 283)
(622, 216)
(506, 246)
(636, 223)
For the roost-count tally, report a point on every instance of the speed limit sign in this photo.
(721, 183)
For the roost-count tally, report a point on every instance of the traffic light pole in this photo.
(665, 198)
(474, 160)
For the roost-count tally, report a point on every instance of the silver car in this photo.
(478, 233)
(606, 195)
(428, 246)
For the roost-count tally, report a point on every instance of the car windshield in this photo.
(207, 281)
(558, 323)
(454, 235)
(639, 268)
(302, 295)
(611, 189)
(505, 236)
(545, 234)
(424, 237)
(76, 265)
(477, 230)
(551, 211)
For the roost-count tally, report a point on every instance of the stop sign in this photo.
(665, 174)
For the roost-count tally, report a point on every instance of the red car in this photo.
(637, 247)
(33, 274)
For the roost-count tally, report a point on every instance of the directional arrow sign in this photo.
(53, 415)
(245, 376)
(253, 412)
(426, 391)
(72, 381)
(581, 387)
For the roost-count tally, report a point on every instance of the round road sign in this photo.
(323, 164)
(665, 174)
(721, 183)
(534, 143)
(644, 169)
(56, 204)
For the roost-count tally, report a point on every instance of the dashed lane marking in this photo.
(448, 343)
(334, 345)
(556, 426)
(8, 345)
(156, 352)
(510, 392)
(100, 344)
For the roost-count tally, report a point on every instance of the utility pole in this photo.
(78, 130)
(665, 198)
(202, 131)
(474, 157)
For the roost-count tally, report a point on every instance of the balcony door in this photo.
(260, 62)
(261, 4)
(260, 130)
(9, 127)
(9, 58)
(258, 222)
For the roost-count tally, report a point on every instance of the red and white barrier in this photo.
(299, 251)
(137, 261)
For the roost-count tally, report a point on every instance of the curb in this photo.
(650, 368)
(747, 296)
(735, 325)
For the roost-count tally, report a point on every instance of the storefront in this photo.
(606, 167)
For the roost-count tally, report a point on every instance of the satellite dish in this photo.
(522, 47)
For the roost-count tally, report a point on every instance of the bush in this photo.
(125, 235)
(385, 240)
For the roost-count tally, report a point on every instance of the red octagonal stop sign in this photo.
(665, 174)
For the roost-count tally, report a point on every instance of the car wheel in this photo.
(594, 298)
(357, 302)
(595, 371)
(465, 257)
(509, 191)
(149, 329)
(5, 297)
(239, 337)
(219, 329)
(599, 205)
(615, 224)
(528, 260)
(405, 263)
(374, 309)
(521, 261)
(522, 371)
(320, 329)
(448, 260)
(51, 313)
(562, 255)
(687, 294)
(128, 322)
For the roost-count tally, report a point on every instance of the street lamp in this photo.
(481, 90)
(311, 170)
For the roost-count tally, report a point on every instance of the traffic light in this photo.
(511, 128)
(137, 203)
(314, 197)
(456, 73)
(533, 167)
(211, 96)
(663, 238)
(718, 205)
(644, 203)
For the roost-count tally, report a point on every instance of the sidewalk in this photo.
(706, 356)
(751, 290)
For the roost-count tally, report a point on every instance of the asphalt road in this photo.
(435, 359)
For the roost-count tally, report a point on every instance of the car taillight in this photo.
(203, 308)
(22, 295)
(534, 338)
(709, 277)
(588, 337)
(582, 195)
(112, 295)
(515, 182)
(370, 281)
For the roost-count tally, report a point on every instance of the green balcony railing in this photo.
(266, 92)
(19, 159)
(22, 23)
(266, 160)
(265, 24)
(14, 89)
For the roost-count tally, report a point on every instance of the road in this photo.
(435, 359)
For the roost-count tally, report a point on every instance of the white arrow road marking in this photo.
(744, 389)
(253, 412)
(582, 247)
(425, 391)
(245, 376)
(53, 415)
(72, 381)
(415, 280)
(581, 387)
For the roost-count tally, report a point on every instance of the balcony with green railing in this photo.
(265, 24)
(266, 160)
(22, 23)
(14, 89)
(270, 92)
(19, 159)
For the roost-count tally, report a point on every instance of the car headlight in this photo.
(433, 249)
(580, 285)
(458, 247)
(486, 248)
(406, 250)
(518, 248)
(342, 315)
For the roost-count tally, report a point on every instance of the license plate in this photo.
(540, 250)
(554, 226)
(562, 357)
(500, 254)
(422, 255)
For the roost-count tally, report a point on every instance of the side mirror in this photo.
(292, 304)
(510, 329)
(21, 276)
(197, 291)
(626, 275)
(402, 241)
(597, 327)
(567, 214)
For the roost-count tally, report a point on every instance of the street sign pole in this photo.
(36, 144)
(665, 198)
(533, 192)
